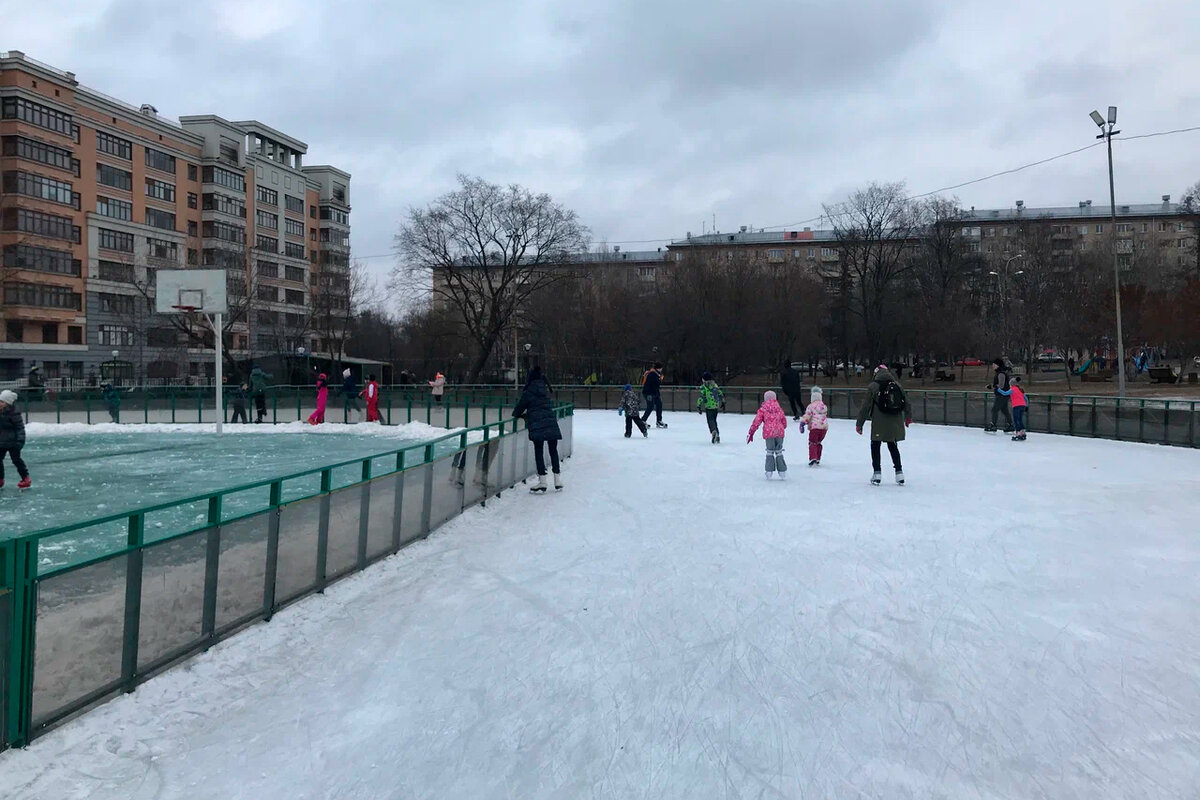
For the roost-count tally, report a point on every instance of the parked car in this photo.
(968, 362)
(1050, 358)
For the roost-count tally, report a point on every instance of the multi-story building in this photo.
(97, 195)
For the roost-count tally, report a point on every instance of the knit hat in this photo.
(628, 386)
(346, 372)
(999, 362)
(8, 397)
(706, 376)
(768, 396)
(881, 368)
(815, 394)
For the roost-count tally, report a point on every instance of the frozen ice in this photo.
(1018, 621)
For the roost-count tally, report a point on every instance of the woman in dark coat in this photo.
(537, 408)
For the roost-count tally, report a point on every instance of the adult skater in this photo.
(652, 391)
(350, 395)
(258, 390)
(790, 381)
(318, 416)
(12, 437)
(887, 406)
(537, 408)
(437, 387)
(370, 393)
(112, 401)
(1001, 401)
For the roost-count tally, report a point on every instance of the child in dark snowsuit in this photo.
(238, 396)
(12, 437)
(631, 407)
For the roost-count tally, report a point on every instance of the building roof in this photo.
(617, 257)
(1085, 210)
(756, 237)
(267, 132)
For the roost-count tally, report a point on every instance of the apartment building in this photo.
(99, 194)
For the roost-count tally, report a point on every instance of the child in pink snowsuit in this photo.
(318, 416)
(816, 417)
(774, 423)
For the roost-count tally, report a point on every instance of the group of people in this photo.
(1008, 400)
(350, 394)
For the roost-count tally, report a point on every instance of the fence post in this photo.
(145, 407)
(427, 500)
(323, 528)
(398, 509)
(1166, 437)
(21, 575)
(965, 423)
(199, 407)
(945, 407)
(58, 409)
(1093, 422)
(1192, 425)
(925, 407)
(1142, 421)
(133, 602)
(1070, 415)
(172, 396)
(429, 409)
(1117, 421)
(212, 562)
(364, 514)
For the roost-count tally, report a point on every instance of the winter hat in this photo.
(706, 376)
(768, 396)
(346, 372)
(815, 394)
(881, 368)
(999, 362)
(8, 397)
(534, 374)
(628, 386)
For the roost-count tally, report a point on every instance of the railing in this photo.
(164, 582)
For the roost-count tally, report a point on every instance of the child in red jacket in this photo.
(1020, 405)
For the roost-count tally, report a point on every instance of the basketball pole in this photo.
(220, 368)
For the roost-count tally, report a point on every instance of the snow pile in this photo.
(1016, 622)
(409, 430)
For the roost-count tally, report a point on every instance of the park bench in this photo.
(1162, 375)
(944, 374)
(1097, 376)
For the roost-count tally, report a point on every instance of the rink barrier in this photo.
(75, 634)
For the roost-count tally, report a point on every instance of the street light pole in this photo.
(1106, 133)
(1002, 280)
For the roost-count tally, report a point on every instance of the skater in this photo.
(238, 396)
(1020, 405)
(437, 386)
(350, 396)
(652, 391)
(258, 390)
(371, 394)
(816, 417)
(710, 403)
(631, 407)
(790, 381)
(1000, 396)
(537, 408)
(887, 406)
(774, 424)
(12, 437)
(318, 416)
(112, 401)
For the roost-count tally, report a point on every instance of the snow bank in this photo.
(410, 430)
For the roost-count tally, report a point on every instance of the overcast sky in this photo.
(650, 116)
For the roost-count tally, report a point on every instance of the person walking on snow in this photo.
(790, 380)
(537, 408)
(437, 386)
(886, 405)
(1020, 405)
(1000, 397)
(371, 394)
(12, 437)
(631, 407)
(774, 425)
(350, 395)
(652, 391)
(318, 416)
(816, 417)
(112, 400)
(258, 390)
(710, 403)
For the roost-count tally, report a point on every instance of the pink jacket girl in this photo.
(817, 418)
(318, 416)
(774, 423)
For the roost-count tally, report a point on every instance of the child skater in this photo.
(1020, 405)
(318, 416)
(371, 394)
(631, 407)
(816, 417)
(774, 423)
(711, 403)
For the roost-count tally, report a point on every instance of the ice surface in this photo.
(1019, 621)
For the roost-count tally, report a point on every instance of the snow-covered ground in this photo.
(1020, 621)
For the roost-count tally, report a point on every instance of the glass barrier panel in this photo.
(246, 501)
(301, 487)
(566, 446)
(172, 596)
(447, 493)
(79, 635)
(299, 532)
(1106, 422)
(175, 519)
(1150, 426)
(242, 573)
(476, 475)
(82, 544)
(414, 497)
(381, 514)
(345, 511)
(6, 609)
(347, 475)
(383, 465)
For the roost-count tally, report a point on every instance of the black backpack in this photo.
(890, 399)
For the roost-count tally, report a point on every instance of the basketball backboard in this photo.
(202, 289)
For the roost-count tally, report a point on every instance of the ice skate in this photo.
(718, 441)
(900, 477)
(645, 433)
(540, 486)
(1, 484)
(876, 478)
(557, 482)
(1009, 430)
(628, 435)
(25, 483)
(714, 438)
(812, 462)
(767, 475)
(660, 425)
(989, 428)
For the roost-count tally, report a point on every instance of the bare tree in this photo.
(488, 250)
(940, 267)
(336, 298)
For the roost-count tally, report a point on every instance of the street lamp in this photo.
(1002, 280)
(1106, 133)
(302, 351)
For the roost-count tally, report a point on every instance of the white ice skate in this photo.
(900, 477)
(876, 478)
(557, 482)
(540, 486)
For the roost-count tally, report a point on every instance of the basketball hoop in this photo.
(185, 309)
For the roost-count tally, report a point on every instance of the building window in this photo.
(1125, 245)
(293, 204)
(116, 271)
(1124, 227)
(116, 303)
(294, 297)
(295, 274)
(49, 336)
(1162, 227)
(116, 178)
(1099, 229)
(160, 190)
(41, 296)
(40, 187)
(266, 244)
(160, 219)
(264, 219)
(1181, 243)
(293, 250)
(160, 248)
(14, 331)
(157, 159)
(114, 145)
(268, 269)
(222, 258)
(193, 228)
(335, 215)
(115, 209)
(75, 336)
(192, 172)
(193, 257)
(293, 227)
(267, 293)
(647, 273)
(224, 231)
(115, 240)
(232, 206)
(37, 114)
(193, 201)
(829, 253)
(40, 224)
(229, 154)
(312, 211)
(226, 178)
(116, 335)
(40, 259)
(775, 255)
(1180, 227)
(339, 193)
(33, 150)
(267, 196)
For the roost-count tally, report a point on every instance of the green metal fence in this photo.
(145, 597)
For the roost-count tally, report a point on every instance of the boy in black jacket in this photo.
(12, 437)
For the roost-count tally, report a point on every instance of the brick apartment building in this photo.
(97, 195)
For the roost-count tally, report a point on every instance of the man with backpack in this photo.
(1001, 396)
(887, 406)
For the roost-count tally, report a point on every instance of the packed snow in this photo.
(1019, 621)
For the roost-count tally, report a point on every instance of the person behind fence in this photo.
(258, 390)
(437, 387)
(631, 407)
(774, 425)
(112, 401)
(816, 417)
(537, 409)
(652, 391)
(12, 437)
(1020, 406)
(711, 403)
(790, 381)
(238, 399)
(370, 393)
(1000, 397)
(318, 416)
(886, 405)
(350, 395)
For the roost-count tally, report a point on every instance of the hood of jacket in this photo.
(883, 377)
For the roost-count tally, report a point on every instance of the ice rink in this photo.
(1019, 621)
